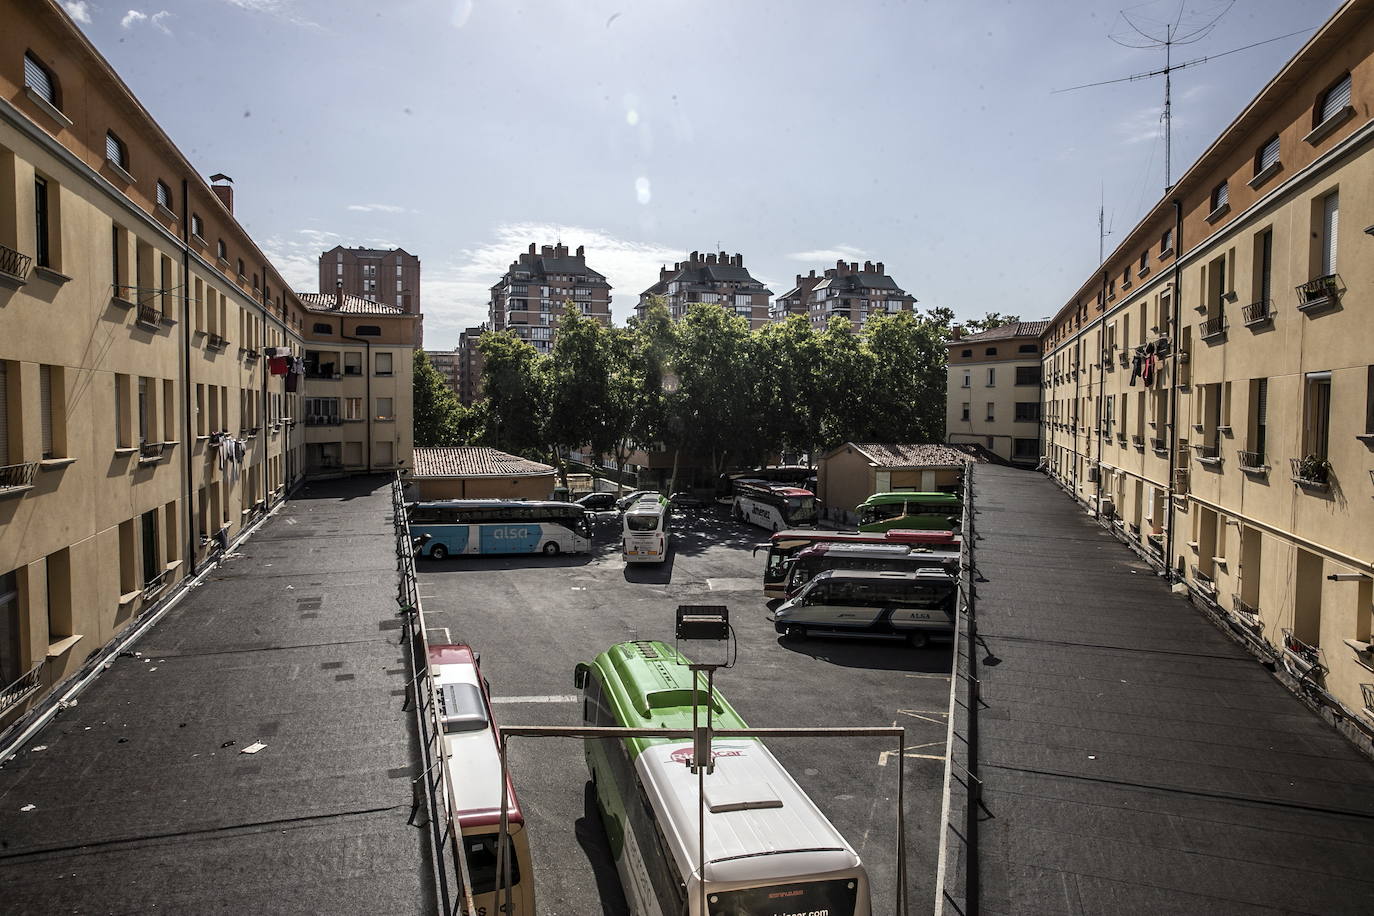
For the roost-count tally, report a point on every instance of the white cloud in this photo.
(838, 253)
(79, 10)
(131, 18)
(378, 208)
(282, 9)
(159, 22)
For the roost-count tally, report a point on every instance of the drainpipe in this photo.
(367, 376)
(1177, 299)
(188, 386)
(1076, 418)
(1097, 407)
(262, 369)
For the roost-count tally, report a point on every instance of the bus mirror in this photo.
(580, 675)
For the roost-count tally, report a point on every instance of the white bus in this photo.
(773, 506)
(458, 526)
(472, 783)
(644, 536)
(769, 850)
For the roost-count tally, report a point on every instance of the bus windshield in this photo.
(833, 898)
(800, 510)
(642, 522)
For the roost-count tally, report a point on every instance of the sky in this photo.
(926, 135)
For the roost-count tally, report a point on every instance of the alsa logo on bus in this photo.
(509, 534)
(683, 755)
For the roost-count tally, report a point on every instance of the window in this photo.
(121, 391)
(1368, 406)
(116, 153)
(1028, 375)
(1144, 263)
(991, 415)
(197, 225)
(968, 380)
(398, 272)
(1317, 420)
(367, 330)
(338, 270)
(241, 275)
(322, 328)
(385, 410)
(353, 408)
(964, 413)
(966, 353)
(1025, 448)
(40, 79)
(398, 286)
(152, 566)
(1027, 411)
(1166, 243)
(1257, 425)
(1264, 270)
(164, 195)
(221, 250)
(990, 351)
(4, 423)
(11, 662)
(1333, 101)
(1330, 221)
(1267, 156)
(117, 259)
(1028, 348)
(383, 361)
(59, 570)
(41, 213)
(144, 411)
(50, 417)
(1220, 197)
(353, 363)
(992, 377)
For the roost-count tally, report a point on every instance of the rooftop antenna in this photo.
(1153, 35)
(1102, 230)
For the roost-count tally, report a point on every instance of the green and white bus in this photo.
(769, 849)
(931, 511)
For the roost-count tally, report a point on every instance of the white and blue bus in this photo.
(458, 526)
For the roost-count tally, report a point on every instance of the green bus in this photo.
(931, 511)
(769, 849)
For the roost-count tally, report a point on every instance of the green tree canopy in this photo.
(440, 420)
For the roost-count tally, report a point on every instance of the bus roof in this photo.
(915, 575)
(861, 549)
(648, 686)
(754, 809)
(904, 496)
(497, 503)
(648, 504)
(471, 756)
(891, 536)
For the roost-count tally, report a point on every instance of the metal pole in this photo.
(502, 866)
(701, 791)
(901, 823)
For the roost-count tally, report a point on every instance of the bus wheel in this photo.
(551, 549)
(917, 639)
(438, 552)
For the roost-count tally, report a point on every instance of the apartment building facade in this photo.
(470, 365)
(390, 276)
(853, 292)
(718, 278)
(150, 398)
(447, 364)
(797, 300)
(1210, 390)
(993, 391)
(532, 294)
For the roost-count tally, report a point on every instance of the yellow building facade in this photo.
(149, 411)
(1209, 392)
(992, 397)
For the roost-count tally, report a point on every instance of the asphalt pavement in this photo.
(533, 618)
(142, 799)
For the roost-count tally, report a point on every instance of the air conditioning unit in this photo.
(1106, 508)
(1092, 475)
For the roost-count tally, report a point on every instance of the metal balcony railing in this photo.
(323, 420)
(1181, 478)
(1258, 312)
(1204, 582)
(14, 264)
(1300, 655)
(1250, 461)
(155, 584)
(1311, 472)
(1158, 444)
(1319, 292)
(17, 475)
(216, 342)
(1245, 612)
(149, 316)
(1207, 452)
(22, 687)
(1212, 327)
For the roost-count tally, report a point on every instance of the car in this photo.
(629, 498)
(597, 502)
(686, 500)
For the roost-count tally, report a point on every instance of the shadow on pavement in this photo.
(343, 488)
(881, 656)
(591, 836)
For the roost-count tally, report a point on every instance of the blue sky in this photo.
(921, 134)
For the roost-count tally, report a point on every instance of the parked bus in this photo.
(936, 511)
(773, 506)
(816, 559)
(796, 475)
(851, 602)
(784, 545)
(472, 778)
(456, 526)
(644, 536)
(769, 849)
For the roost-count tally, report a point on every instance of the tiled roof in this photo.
(1005, 332)
(352, 305)
(900, 455)
(474, 461)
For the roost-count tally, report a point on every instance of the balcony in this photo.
(155, 585)
(327, 419)
(151, 452)
(15, 478)
(1311, 473)
(14, 267)
(1181, 479)
(1250, 616)
(249, 354)
(149, 317)
(1320, 293)
(25, 686)
(1212, 328)
(1208, 455)
(215, 342)
(1258, 313)
(1204, 583)
(1251, 462)
(1158, 444)
(1138, 442)
(1302, 660)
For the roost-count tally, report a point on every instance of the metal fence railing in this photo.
(432, 788)
(22, 688)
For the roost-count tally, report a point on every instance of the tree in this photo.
(788, 388)
(576, 380)
(440, 420)
(512, 379)
(909, 365)
(715, 384)
(845, 402)
(614, 435)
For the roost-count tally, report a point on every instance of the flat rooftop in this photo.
(142, 798)
(1134, 759)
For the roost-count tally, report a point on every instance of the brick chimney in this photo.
(531, 247)
(880, 268)
(580, 252)
(711, 258)
(222, 186)
(338, 295)
(868, 267)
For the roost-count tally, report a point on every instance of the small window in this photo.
(240, 268)
(990, 351)
(1028, 348)
(1268, 155)
(322, 328)
(1166, 242)
(964, 413)
(368, 330)
(966, 353)
(383, 363)
(1220, 196)
(115, 151)
(222, 250)
(1334, 100)
(41, 80)
(197, 225)
(385, 411)
(164, 195)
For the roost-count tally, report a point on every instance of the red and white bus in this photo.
(783, 547)
(472, 779)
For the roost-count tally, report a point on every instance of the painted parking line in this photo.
(884, 755)
(938, 677)
(925, 715)
(544, 698)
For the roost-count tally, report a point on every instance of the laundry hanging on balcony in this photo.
(279, 364)
(295, 369)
